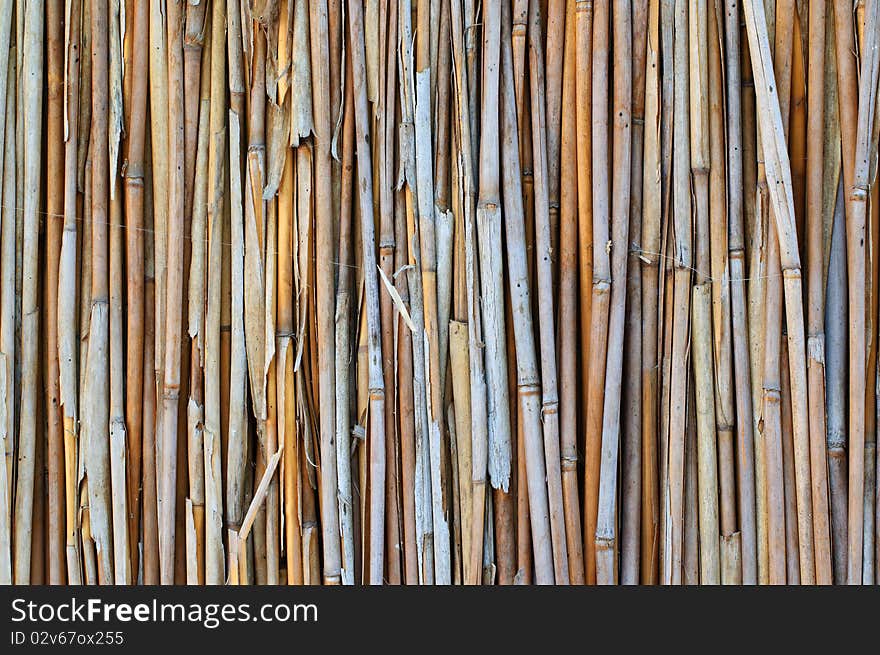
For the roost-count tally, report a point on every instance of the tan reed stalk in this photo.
(779, 187)
(674, 505)
(606, 528)
(721, 319)
(196, 306)
(376, 382)
(690, 560)
(119, 489)
(96, 406)
(324, 254)
(783, 57)
(554, 27)
(171, 379)
(745, 443)
(650, 246)
(601, 282)
(664, 335)
(343, 339)
(488, 217)
(792, 561)
(7, 297)
(583, 115)
(236, 449)
(422, 487)
(212, 429)
(836, 315)
(528, 379)
(387, 248)
(816, 292)
(54, 228)
(771, 417)
(543, 245)
(476, 407)
(66, 310)
(256, 273)
(134, 267)
(568, 317)
(856, 223)
(631, 500)
(87, 544)
(757, 226)
(255, 232)
(158, 69)
(427, 261)
(194, 33)
(701, 301)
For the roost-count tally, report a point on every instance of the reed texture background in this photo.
(439, 291)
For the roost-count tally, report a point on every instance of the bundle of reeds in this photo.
(439, 292)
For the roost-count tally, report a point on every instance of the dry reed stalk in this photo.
(7, 298)
(675, 451)
(721, 318)
(568, 317)
(606, 529)
(792, 541)
(488, 216)
(173, 307)
(650, 245)
(236, 440)
(701, 301)
(158, 70)
(631, 492)
(54, 226)
(583, 112)
(745, 442)
(554, 26)
(96, 417)
(67, 290)
(427, 261)
(324, 253)
(856, 232)
(476, 407)
(212, 428)
(771, 417)
(835, 386)
(783, 71)
(601, 282)
(780, 193)
(343, 339)
(196, 293)
(816, 292)
(376, 382)
(384, 151)
(543, 247)
(133, 187)
(528, 379)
